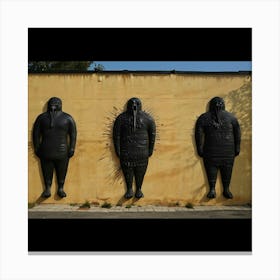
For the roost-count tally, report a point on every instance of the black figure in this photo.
(217, 136)
(134, 138)
(50, 138)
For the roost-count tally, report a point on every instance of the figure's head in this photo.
(54, 104)
(134, 105)
(216, 104)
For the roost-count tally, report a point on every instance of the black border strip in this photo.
(139, 235)
(140, 44)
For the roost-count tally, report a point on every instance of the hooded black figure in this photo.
(217, 136)
(50, 139)
(134, 138)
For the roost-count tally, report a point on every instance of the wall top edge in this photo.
(143, 72)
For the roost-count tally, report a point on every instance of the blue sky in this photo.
(206, 66)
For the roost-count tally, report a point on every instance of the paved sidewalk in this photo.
(65, 211)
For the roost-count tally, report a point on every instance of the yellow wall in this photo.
(175, 172)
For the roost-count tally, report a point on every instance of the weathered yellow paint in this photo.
(175, 173)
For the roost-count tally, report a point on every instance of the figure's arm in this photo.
(237, 136)
(199, 137)
(36, 135)
(152, 136)
(117, 135)
(72, 136)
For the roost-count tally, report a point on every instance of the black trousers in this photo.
(225, 167)
(59, 165)
(134, 171)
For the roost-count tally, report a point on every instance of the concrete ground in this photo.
(60, 211)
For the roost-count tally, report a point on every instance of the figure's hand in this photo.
(70, 153)
(200, 153)
(37, 153)
(118, 153)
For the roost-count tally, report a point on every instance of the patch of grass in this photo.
(177, 204)
(73, 204)
(31, 205)
(189, 205)
(106, 205)
(85, 205)
(128, 206)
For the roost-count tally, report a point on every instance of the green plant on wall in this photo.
(189, 205)
(106, 205)
(85, 205)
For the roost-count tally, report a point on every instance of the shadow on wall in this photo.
(114, 175)
(39, 199)
(205, 186)
(240, 104)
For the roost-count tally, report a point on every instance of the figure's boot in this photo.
(47, 192)
(129, 193)
(60, 191)
(227, 193)
(138, 193)
(212, 192)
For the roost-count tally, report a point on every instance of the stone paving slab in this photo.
(58, 211)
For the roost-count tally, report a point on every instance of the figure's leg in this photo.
(61, 167)
(211, 171)
(128, 175)
(226, 171)
(47, 170)
(139, 177)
